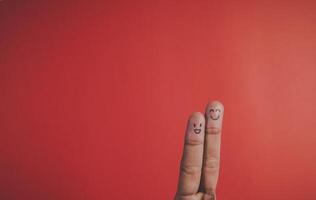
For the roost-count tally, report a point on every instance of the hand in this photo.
(201, 155)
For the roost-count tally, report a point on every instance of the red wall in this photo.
(94, 97)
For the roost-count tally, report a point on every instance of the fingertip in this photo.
(214, 114)
(197, 115)
(215, 103)
(195, 128)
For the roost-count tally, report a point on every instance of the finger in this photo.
(192, 158)
(214, 117)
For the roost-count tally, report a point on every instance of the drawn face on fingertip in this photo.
(214, 114)
(197, 127)
(215, 111)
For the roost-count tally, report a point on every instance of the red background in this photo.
(94, 97)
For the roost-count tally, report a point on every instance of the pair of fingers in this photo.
(201, 154)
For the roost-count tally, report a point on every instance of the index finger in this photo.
(192, 158)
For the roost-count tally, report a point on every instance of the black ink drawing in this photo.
(197, 130)
(215, 113)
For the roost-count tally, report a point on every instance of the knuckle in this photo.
(211, 164)
(194, 142)
(190, 170)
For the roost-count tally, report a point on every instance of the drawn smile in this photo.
(215, 113)
(197, 130)
(215, 118)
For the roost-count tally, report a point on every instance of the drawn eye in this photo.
(218, 110)
(200, 125)
(194, 125)
(212, 110)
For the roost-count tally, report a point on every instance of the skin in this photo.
(199, 168)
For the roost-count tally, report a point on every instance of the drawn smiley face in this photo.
(197, 128)
(215, 113)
